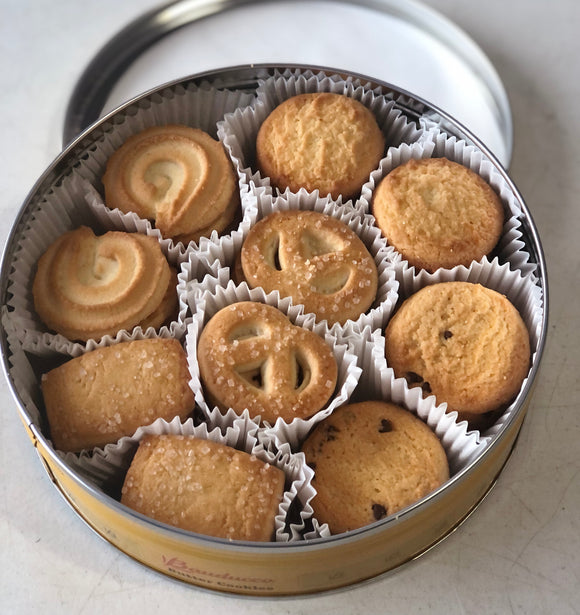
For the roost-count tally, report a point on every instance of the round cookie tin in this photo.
(321, 561)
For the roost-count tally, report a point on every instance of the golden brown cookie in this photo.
(204, 487)
(463, 342)
(176, 176)
(438, 213)
(87, 286)
(320, 141)
(370, 460)
(313, 258)
(167, 308)
(103, 395)
(251, 356)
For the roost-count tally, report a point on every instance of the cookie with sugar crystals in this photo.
(313, 258)
(320, 141)
(204, 487)
(103, 395)
(438, 213)
(370, 460)
(251, 356)
(463, 342)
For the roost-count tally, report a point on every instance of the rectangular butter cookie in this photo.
(103, 395)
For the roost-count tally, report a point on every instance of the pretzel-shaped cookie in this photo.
(177, 176)
(313, 258)
(251, 356)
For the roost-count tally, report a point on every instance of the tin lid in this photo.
(406, 44)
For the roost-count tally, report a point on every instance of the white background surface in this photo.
(520, 551)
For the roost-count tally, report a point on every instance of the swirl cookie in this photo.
(465, 343)
(370, 460)
(251, 356)
(320, 141)
(204, 487)
(438, 213)
(313, 258)
(105, 394)
(87, 286)
(176, 176)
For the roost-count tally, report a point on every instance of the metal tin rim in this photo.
(248, 73)
(95, 83)
(338, 588)
(312, 544)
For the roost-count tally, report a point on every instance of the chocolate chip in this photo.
(413, 378)
(386, 426)
(447, 334)
(426, 387)
(379, 511)
(330, 431)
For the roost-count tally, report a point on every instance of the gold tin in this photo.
(276, 569)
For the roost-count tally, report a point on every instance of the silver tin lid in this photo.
(403, 43)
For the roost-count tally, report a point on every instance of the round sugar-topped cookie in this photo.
(370, 460)
(438, 213)
(320, 141)
(463, 342)
(313, 258)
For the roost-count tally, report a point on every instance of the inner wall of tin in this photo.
(225, 105)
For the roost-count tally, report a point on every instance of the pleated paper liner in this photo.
(106, 468)
(511, 248)
(218, 296)
(199, 107)
(522, 291)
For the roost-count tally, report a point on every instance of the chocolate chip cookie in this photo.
(370, 460)
(465, 343)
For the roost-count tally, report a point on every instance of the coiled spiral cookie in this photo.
(251, 356)
(178, 177)
(88, 286)
(313, 258)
